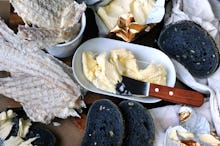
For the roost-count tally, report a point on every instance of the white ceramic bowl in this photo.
(142, 53)
(67, 49)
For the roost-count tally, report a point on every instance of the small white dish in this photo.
(143, 53)
(67, 49)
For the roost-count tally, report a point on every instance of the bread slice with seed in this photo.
(104, 125)
(139, 126)
(192, 46)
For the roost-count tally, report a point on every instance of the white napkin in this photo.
(167, 116)
(207, 14)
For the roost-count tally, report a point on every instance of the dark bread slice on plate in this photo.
(139, 126)
(192, 46)
(104, 125)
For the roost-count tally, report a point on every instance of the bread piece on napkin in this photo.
(192, 46)
(104, 126)
(139, 126)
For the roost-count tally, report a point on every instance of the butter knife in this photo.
(129, 86)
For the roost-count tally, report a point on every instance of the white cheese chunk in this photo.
(24, 126)
(5, 123)
(18, 141)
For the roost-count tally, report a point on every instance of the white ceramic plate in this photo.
(143, 53)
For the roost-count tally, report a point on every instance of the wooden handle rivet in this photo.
(171, 93)
(156, 89)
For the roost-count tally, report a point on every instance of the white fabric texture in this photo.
(205, 13)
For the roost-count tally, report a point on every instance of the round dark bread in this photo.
(104, 125)
(192, 46)
(139, 126)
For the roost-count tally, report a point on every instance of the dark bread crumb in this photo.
(104, 126)
(192, 46)
(139, 126)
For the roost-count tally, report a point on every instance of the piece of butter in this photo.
(127, 65)
(173, 135)
(89, 65)
(209, 139)
(124, 61)
(100, 72)
(154, 73)
(138, 8)
(105, 74)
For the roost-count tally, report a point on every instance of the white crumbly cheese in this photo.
(24, 126)
(105, 74)
(5, 123)
(18, 141)
(138, 8)
(6, 127)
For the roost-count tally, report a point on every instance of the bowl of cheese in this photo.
(67, 49)
(99, 63)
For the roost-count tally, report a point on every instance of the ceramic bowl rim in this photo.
(82, 28)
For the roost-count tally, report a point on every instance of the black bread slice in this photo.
(192, 46)
(139, 126)
(104, 126)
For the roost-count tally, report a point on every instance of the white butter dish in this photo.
(142, 53)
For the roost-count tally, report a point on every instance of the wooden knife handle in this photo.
(176, 95)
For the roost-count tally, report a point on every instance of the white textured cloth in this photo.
(207, 14)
